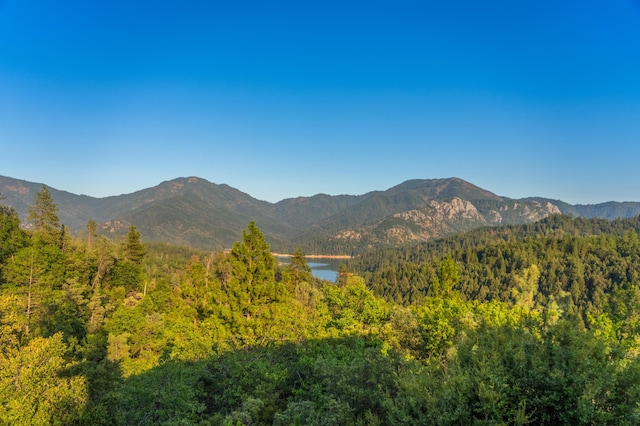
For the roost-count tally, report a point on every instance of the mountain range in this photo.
(195, 212)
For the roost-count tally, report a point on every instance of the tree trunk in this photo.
(29, 294)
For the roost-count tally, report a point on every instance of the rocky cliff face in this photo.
(518, 212)
(439, 218)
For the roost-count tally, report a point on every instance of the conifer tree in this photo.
(297, 271)
(44, 214)
(37, 271)
(92, 234)
(12, 237)
(134, 250)
(253, 270)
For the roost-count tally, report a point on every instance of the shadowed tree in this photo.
(12, 238)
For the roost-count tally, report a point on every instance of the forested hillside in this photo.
(533, 324)
(194, 212)
(574, 258)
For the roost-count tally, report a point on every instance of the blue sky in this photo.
(289, 98)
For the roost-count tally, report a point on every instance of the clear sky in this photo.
(289, 98)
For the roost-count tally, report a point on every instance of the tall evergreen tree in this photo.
(12, 238)
(44, 214)
(134, 250)
(253, 271)
(92, 234)
(297, 271)
(37, 271)
(128, 273)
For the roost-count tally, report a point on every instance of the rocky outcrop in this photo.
(439, 218)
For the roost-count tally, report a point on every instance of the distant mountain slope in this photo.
(203, 214)
(193, 211)
(74, 209)
(423, 220)
(609, 210)
(410, 195)
(189, 211)
(444, 189)
(304, 212)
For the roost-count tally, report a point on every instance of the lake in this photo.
(325, 268)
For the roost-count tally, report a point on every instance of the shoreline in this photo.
(317, 256)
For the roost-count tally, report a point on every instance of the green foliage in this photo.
(12, 238)
(167, 395)
(296, 271)
(439, 322)
(133, 250)
(341, 381)
(93, 332)
(253, 274)
(128, 276)
(354, 308)
(580, 264)
(558, 376)
(44, 214)
(12, 322)
(33, 389)
(447, 279)
(526, 287)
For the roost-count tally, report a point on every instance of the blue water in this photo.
(323, 271)
(322, 268)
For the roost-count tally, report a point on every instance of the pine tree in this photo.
(253, 271)
(297, 271)
(12, 238)
(134, 250)
(128, 271)
(44, 214)
(92, 234)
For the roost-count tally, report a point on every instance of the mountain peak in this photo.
(186, 180)
(193, 211)
(446, 189)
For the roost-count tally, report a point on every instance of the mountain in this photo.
(74, 209)
(193, 211)
(187, 211)
(609, 210)
(418, 210)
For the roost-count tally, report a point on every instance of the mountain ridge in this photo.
(193, 211)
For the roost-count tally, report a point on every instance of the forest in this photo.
(513, 325)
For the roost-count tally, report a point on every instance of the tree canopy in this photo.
(516, 325)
